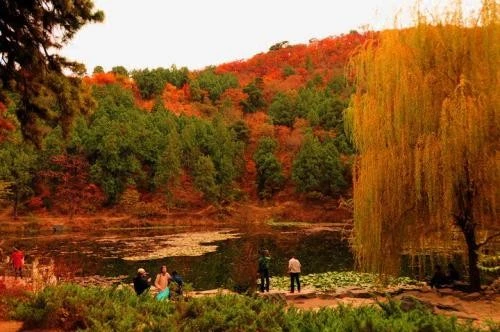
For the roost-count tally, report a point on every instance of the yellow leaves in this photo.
(426, 109)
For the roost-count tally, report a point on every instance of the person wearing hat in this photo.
(141, 281)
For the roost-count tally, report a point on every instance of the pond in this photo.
(207, 257)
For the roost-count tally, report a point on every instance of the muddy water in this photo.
(206, 257)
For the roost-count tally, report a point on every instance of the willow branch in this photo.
(488, 239)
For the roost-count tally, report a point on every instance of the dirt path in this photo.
(480, 309)
(10, 326)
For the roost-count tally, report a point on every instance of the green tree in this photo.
(270, 178)
(282, 110)
(152, 82)
(18, 166)
(169, 164)
(241, 131)
(98, 70)
(255, 99)
(30, 33)
(116, 141)
(215, 84)
(317, 167)
(205, 178)
(120, 70)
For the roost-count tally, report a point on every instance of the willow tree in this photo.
(425, 124)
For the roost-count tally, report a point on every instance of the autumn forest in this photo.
(388, 139)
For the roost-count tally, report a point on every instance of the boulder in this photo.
(409, 303)
(360, 294)
(472, 296)
(450, 307)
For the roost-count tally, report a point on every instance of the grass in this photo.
(71, 307)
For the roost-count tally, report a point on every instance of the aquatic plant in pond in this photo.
(157, 247)
(329, 281)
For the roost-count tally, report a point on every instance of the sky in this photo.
(196, 33)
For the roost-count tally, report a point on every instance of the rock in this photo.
(302, 295)
(447, 292)
(342, 295)
(425, 289)
(409, 303)
(494, 286)
(450, 307)
(328, 296)
(472, 296)
(395, 291)
(360, 294)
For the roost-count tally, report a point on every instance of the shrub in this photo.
(71, 307)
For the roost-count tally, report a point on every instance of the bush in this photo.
(71, 307)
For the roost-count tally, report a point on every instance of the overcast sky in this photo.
(197, 33)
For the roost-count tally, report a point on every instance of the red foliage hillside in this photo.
(286, 69)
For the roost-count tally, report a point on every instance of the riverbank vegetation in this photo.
(73, 307)
(329, 281)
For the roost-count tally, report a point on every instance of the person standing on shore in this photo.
(17, 259)
(294, 271)
(264, 261)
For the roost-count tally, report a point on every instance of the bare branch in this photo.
(488, 239)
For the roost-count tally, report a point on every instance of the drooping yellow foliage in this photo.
(425, 123)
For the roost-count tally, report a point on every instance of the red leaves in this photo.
(71, 186)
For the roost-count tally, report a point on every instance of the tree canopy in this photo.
(31, 33)
(425, 124)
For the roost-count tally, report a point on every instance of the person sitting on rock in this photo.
(439, 278)
(161, 283)
(178, 283)
(452, 274)
(141, 281)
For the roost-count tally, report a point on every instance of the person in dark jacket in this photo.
(264, 261)
(177, 279)
(452, 274)
(142, 281)
(439, 278)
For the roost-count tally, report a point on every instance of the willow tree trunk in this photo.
(465, 221)
(472, 247)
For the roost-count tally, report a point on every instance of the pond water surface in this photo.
(207, 257)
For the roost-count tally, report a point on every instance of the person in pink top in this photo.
(17, 259)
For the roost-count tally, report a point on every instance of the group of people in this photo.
(163, 282)
(441, 279)
(294, 268)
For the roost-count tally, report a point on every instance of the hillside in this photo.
(266, 129)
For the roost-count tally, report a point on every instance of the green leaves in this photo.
(214, 84)
(329, 281)
(270, 178)
(255, 98)
(282, 110)
(29, 32)
(152, 82)
(317, 167)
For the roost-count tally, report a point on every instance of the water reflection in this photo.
(232, 264)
